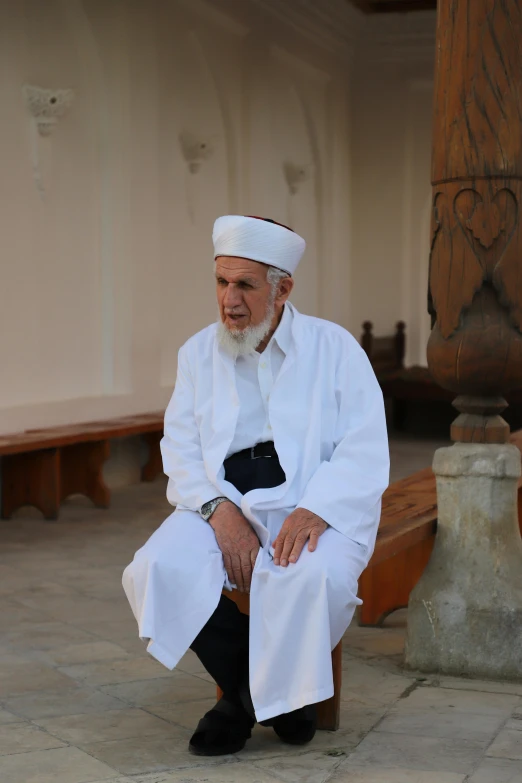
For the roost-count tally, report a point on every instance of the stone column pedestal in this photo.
(465, 614)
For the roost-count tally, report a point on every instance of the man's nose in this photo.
(232, 297)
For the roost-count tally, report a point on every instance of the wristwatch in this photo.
(207, 509)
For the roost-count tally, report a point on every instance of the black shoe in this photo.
(223, 730)
(297, 727)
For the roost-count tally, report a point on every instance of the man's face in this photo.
(243, 292)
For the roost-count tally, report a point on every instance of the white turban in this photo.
(259, 240)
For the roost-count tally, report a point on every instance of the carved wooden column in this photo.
(475, 348)
(465, 614)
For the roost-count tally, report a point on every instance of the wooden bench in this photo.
(42, 467)
(407, 385)
(404, 543)
(386, 354)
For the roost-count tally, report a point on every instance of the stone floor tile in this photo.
(133, 645)
(431, 754)
(88, 652)
(190, 664)
(114, 672)
(428, 698)
(24, 737)
(11, 579)
(514, 723)
(507, 745)
(362, 680)
(24, 677)
(184, 713)
(74, 609)
(39, 593)
(8, 717)
(15, 615)
(231, 772)
(485, 686)
(119, 779)
(9, 656)
(112, 631)
(147, 754)
(265, 743)
(50, 704)
(442, 723)
(104, 726)
(178, 686)
(350, 773)
(310, 767)
(63, 765)
(497, 771)
(46, 636)
(374, 641)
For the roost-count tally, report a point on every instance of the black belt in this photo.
(258, 451)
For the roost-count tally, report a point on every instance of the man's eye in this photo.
(221, 281)
(245, 285)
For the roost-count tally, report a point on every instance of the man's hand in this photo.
(238, 543)
(297, 529)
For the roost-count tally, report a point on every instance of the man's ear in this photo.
(284, 289)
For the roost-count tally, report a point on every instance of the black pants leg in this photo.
(222, 645)
(222, 648)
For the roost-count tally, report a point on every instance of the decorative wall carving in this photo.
(295, 174)
(195, 149)
(47, 106)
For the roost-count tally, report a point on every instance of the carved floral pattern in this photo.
(476, 238)
(484, 224)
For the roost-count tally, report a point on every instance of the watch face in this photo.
(206, 509)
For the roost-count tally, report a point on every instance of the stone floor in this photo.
(408, 456)
(81, 702)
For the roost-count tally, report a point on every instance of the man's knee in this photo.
(337, 563)
(182, 531)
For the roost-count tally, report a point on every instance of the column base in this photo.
(465, 614)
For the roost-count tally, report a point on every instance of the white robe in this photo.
(327, 416)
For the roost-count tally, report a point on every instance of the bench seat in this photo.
(42, 467)
(404, 543)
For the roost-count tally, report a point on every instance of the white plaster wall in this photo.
(391, 193)
(106, 264)
(106, 234)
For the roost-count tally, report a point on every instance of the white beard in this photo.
(239, 342)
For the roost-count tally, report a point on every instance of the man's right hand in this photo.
(238, 543)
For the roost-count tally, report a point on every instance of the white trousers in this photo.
(298, 614)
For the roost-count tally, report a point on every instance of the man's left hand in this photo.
(298, 528)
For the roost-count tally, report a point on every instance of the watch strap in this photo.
(207, 509)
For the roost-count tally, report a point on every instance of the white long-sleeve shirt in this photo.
(256, 374)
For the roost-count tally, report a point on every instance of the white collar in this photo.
(283, 333)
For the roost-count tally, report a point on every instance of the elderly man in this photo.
(276, 451)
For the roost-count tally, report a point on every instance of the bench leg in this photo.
(154, 466)
(82, 471)
(31, 479)
(328, 712)
(386, 587)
